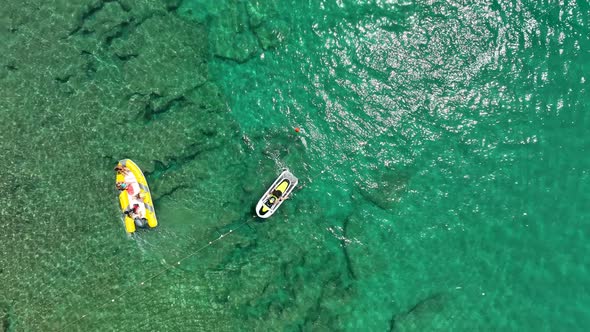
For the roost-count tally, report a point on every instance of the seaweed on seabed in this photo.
(7, 317)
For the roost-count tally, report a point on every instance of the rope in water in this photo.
(160, 272)
(171, 267)
(43, 285)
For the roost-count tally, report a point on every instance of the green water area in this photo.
(442, 153)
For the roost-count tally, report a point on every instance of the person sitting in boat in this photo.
(121, 186)
(135, 208)
(128, 213)
(121, 169)
(138, 219)
(132, 211)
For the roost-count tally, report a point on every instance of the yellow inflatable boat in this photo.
(135, 197)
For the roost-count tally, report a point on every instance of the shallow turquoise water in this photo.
(464, 127)
(442, 160)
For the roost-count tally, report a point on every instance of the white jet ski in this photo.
(276, 194)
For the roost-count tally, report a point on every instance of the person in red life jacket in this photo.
(133, 213)
(135, 208)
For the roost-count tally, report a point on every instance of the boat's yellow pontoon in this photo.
(135, 197)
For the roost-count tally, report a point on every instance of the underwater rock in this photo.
(264, 23)
(271, 34)
(166, 66)
(418, 316)
(345, 251)
(354, 227)
(228, 25)
(173, 4)
(234, 41)
(385, 188)
(143, 9)
(103, 19)
(241, 29)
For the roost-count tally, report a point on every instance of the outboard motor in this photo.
(140, 222)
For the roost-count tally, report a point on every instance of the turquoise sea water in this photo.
(442, 161)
